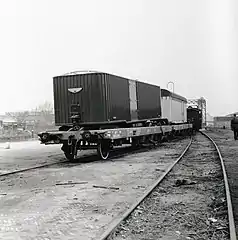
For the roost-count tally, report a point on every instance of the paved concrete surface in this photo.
(27, 154)
(33, 206)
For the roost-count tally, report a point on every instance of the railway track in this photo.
(117, 153)
(228, 196)
(116, 222)
(110, 232)
(31, 168)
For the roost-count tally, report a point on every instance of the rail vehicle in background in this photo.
(96, 110)
(194, 116)
(174, 107)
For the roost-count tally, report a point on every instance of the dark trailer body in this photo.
(103, 97)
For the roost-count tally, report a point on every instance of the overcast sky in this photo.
(193, 43)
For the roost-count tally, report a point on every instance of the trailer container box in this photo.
(174, 106)
(100, 97)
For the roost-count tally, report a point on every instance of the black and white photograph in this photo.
(119, 120)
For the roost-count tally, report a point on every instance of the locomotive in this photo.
(96, 110)
(194, 116)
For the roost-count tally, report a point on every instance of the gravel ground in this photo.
(229, 149)
(188, 204)
(62, 202)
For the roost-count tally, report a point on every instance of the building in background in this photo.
(39, 121)
(210, 120)
(223, 121)
(8, 125)
(231, 115)
(26, 124)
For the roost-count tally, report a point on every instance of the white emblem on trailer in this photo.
(75, 90)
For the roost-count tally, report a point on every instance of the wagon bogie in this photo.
(103, 149)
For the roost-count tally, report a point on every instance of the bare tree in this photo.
(20, 117)
(46, 110)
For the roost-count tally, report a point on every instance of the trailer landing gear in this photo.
(69, 156)
(69, 151)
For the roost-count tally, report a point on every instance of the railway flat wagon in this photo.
(174, 107)
(96, 110)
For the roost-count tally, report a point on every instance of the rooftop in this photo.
(7, 119)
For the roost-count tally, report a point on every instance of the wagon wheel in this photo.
(103, 150)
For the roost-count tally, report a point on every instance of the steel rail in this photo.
(31, 168)
(62, 162)
(73, 162)
(52, 164)
(120, 219)
(227, 190)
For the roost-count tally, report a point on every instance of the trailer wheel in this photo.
(103, 150)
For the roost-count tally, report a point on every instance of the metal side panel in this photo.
(118, 98)
(133, 99)
(166, 107)
(149, 101)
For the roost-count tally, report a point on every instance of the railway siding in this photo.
(188, 204)
(229, 150)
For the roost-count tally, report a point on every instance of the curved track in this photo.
(228, 196)
(106, 235)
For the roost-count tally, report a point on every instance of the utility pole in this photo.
(170, 98)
